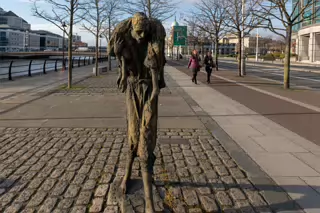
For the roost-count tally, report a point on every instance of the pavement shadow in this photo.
(6, 185)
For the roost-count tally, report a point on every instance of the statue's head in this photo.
(140, 25)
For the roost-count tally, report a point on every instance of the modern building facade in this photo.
(16, 35)
(76, 38)
(306, 35)
(229, 45)
(50, 41)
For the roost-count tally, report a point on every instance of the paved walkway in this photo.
(26, 89)
(65, 152)
(291, 160)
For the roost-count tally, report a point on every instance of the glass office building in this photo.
(306, 34)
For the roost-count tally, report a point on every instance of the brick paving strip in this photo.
(78, 169)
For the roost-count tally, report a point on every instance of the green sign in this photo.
(179, 35)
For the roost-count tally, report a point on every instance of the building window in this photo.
(308, 14)
(317, 10)
(3, 20)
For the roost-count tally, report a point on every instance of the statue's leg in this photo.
(147, 144)
(133, 135)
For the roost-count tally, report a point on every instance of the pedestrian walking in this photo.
(194, 65)
(209, 64)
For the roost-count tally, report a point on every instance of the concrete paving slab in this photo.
(316, 153)
(245, 119)
(63, 106)
(283, 165)
(22, 123)
(223, 120)
(4, 107)
(314, 182)
(277, 144)
(303, 194)
(174, 106)
(19, 99)
(310, 159)
(180, 122)
(249, 145)
(241, 130)
(4, 94)
(304, 143)
(265, 129)
(270, 124)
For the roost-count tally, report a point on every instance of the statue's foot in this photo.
(124, 186)
(149, 209)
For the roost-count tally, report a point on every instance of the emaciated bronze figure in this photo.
(139, 44)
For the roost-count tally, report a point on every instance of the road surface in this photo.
(275, 73)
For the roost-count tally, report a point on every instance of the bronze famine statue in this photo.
(139, 45)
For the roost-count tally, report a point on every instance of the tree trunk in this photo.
(286, 74)
(172, 53)
(149, 8)
(97, 38)
(239, 53)
(72, 5)
(216, 50)
(109, 56)
(96, 63)
(202, 52)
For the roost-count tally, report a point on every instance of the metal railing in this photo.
(17, 69)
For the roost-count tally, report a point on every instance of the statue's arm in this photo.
(151, 61)
(162, 83)
(158, 40)
(123, 75)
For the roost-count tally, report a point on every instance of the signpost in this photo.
(179, 37)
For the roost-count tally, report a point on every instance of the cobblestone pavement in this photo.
(76, 169)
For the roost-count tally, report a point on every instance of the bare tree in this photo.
(62, 12)
(211, 17)
(113, 13)
(288, 17)
(242, 20)
(160, 9)
(95, 16)
(193, 30)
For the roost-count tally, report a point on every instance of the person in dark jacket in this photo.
(194, 65)
(209, 64)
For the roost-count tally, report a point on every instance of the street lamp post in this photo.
(63, 61)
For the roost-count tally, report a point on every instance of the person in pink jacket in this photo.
(194, 64)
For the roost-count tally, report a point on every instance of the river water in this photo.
(20, 67)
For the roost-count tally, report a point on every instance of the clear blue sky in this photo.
(23, 9)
